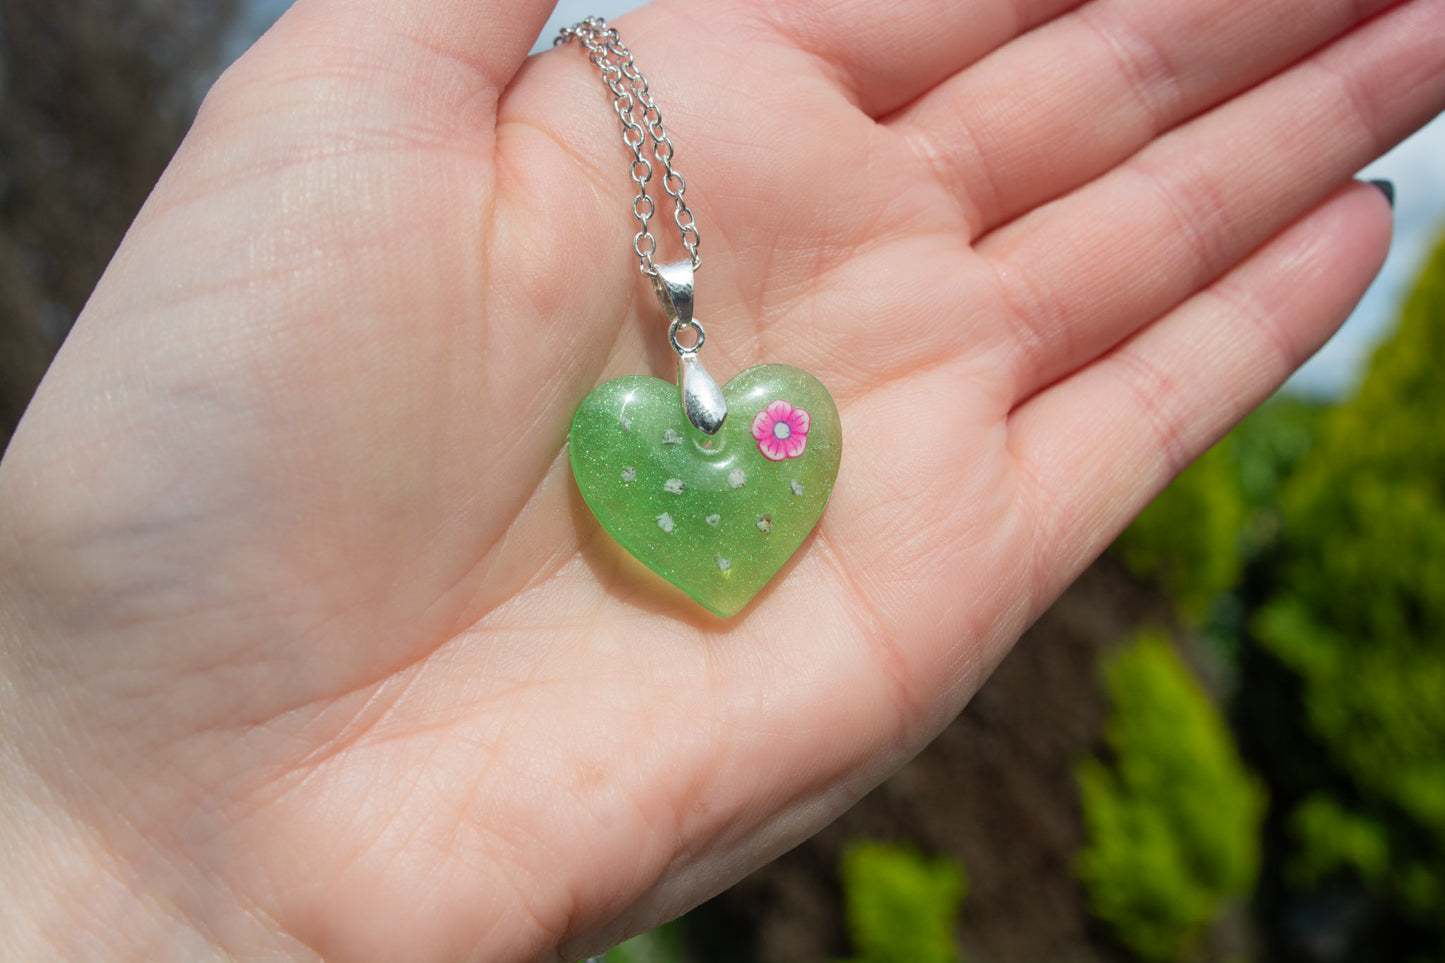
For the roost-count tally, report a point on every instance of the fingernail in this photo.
(1388, 189)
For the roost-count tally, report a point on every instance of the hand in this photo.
(310, 645)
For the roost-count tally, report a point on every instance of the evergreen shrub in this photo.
(899, 905)
(1173, 819)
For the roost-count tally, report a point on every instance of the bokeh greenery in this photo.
(1173, 819)
(1312, 540)
(899, 905)
(1359, 616)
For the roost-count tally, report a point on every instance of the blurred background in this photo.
(1226, 742)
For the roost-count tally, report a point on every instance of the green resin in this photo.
(712, 515)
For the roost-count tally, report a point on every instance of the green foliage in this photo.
(900, 907)
(1332, 838)
(662, 945)
(1173, 824)
(1361, 616)
(1187, 541)
(1267, 446)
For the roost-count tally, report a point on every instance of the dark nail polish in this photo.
(1388, 189)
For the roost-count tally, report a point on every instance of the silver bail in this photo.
(702, 399)
(673, 284)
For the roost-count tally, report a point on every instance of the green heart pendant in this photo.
(716, 515)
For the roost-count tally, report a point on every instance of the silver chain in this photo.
(641, 123)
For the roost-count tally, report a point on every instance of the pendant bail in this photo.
(673, 284)
(702, 399)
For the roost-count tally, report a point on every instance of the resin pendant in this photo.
(715, 514)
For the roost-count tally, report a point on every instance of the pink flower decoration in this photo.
(781, 430)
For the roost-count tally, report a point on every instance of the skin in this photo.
(310, 647)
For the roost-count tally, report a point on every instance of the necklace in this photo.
(712, 488)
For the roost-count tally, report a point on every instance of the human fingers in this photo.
(1081, 274)
(882, 55)
(1066, 102)
(1095, 448)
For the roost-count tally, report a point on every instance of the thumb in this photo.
(492, 37)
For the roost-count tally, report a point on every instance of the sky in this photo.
(1417, 166)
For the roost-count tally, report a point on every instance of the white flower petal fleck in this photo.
(714, 520)
(629, 473)
(670, 437)
(796, 486)
(674, 485)
(665, 522)
(737, 478)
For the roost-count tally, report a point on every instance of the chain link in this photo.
(641, 125)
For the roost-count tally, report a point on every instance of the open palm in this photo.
(313, 645)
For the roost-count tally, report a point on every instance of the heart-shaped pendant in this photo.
(716, 515)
